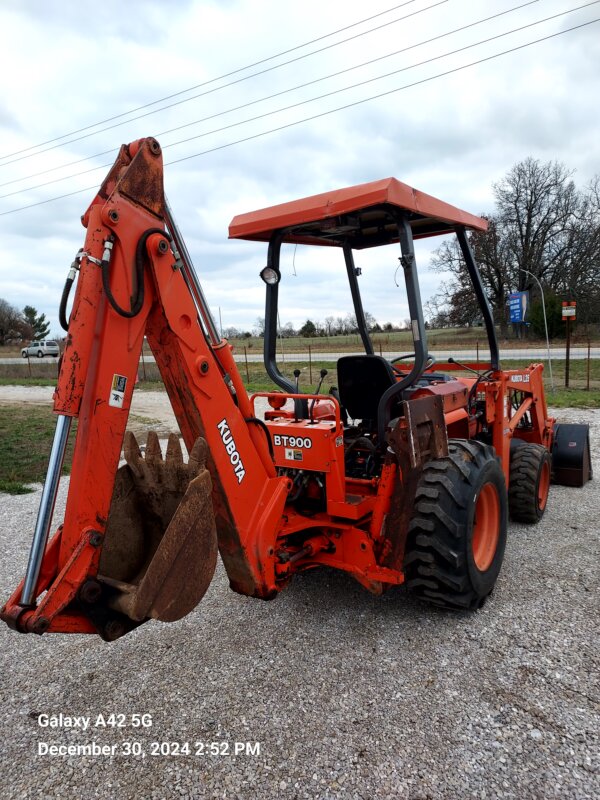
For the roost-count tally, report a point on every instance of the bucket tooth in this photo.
(174, 454)
(133, 454)
(198, 454)
(153, 450)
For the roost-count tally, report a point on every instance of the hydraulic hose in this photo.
(137, 301)
(264, 428)
(62, 309)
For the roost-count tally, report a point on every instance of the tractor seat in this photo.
(362, 380)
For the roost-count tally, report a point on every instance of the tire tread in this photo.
(435, 563)
(525, 464)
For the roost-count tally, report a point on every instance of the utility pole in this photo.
(545, 323)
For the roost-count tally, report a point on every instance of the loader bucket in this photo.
(160, 549)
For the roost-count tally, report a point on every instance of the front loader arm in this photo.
(134, 283)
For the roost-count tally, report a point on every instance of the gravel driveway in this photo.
(347, 695)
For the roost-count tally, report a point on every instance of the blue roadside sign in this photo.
(518, 303)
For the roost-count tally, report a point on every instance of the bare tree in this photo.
(12, 325)
(579, 275)
(370, 320)
(542, 227)
(232, 333)
(287, 331)
(341, 326)
(329, 325)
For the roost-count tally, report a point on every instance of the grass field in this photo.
(25, 441)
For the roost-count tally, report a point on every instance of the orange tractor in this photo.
(404, 473)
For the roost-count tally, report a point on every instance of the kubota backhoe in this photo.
(403, 474)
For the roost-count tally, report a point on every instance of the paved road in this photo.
(532, 354)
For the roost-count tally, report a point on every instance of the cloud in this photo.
(450, 136)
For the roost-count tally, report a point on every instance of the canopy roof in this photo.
(363, 216)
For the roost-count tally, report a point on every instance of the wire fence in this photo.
(577, 368)
(580, 371)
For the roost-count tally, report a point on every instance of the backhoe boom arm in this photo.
(133, 285)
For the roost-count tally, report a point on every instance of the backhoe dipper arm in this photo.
(133, 283)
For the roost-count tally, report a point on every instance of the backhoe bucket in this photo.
(160, 548)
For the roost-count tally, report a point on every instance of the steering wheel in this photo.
(429, 363)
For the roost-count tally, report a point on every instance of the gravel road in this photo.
(348, 695)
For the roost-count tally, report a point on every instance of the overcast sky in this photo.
(67, 65)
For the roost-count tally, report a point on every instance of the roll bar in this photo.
(408, 262)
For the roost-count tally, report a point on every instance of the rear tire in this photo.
(529, 484)
(457, 535)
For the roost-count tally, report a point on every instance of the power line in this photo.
(378, 77)
(212, 80)
(330, 111)
(356, 66)
(61, 166)
(253, 102)
(133, 119)
(389, 92)
(217, 88)
(327, 94)
(226, 111)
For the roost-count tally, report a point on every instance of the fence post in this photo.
(380, 350)
(568, 353)
(247, 370)
(29, 364)
(309, 364)
(588, 365)
(143, 363)
(478, 351)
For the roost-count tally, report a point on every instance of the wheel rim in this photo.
(486, 527)
(543, 486)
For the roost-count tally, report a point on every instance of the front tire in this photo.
(529, 483)
(40, 354)
(457, 535)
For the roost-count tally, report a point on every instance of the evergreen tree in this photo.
(309, 329)
(39, 325)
